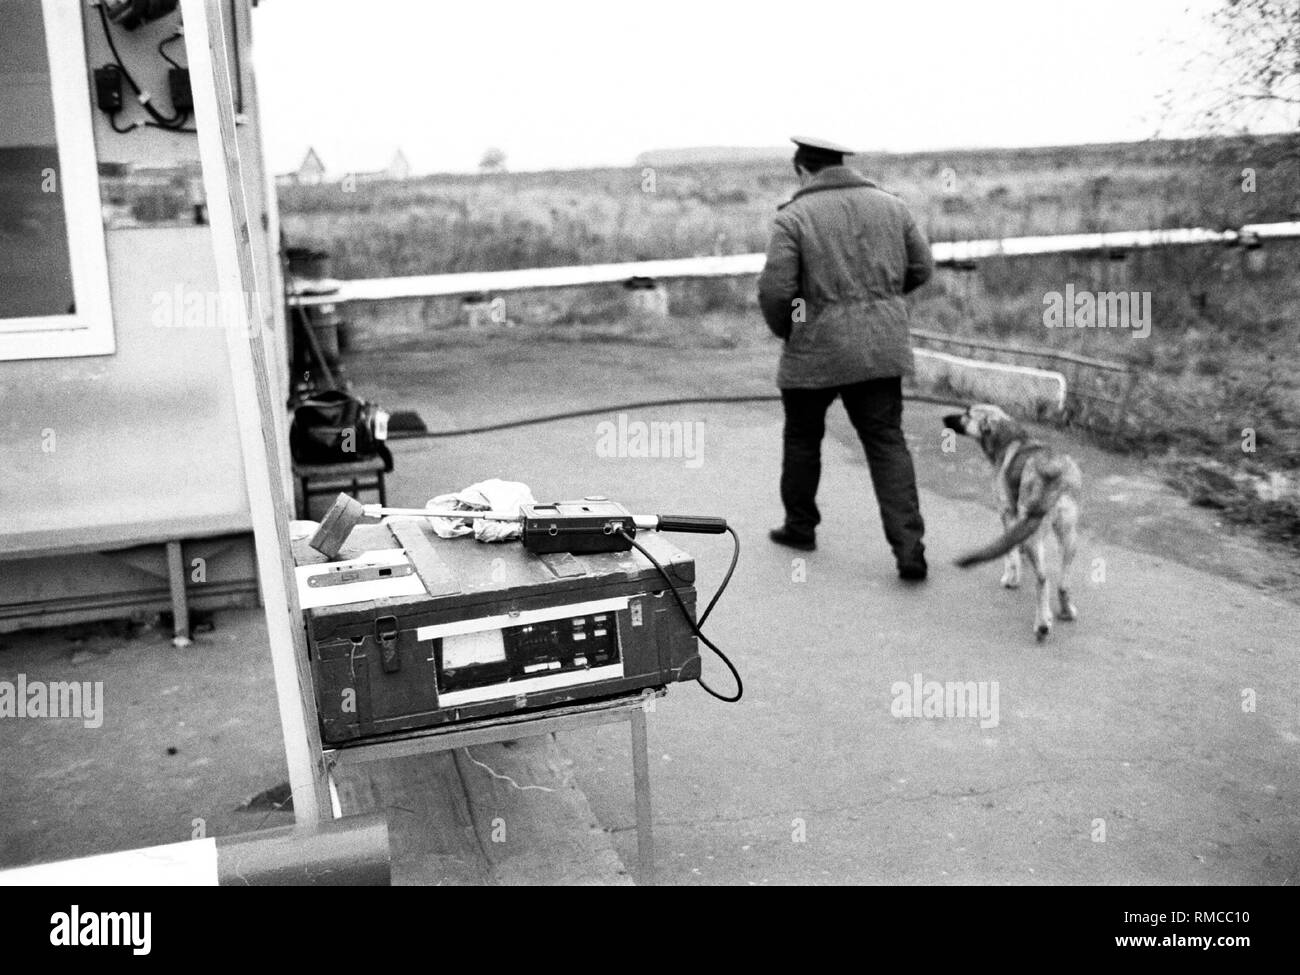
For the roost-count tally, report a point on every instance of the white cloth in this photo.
(504, 497)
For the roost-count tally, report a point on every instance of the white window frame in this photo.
(89, 330)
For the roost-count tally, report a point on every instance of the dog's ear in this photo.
(996, 432)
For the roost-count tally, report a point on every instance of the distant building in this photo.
(399, 167)
(311, 170)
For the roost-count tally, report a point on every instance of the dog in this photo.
(1034, 484)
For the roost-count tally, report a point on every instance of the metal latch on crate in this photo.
(346, 573)
(386, 631)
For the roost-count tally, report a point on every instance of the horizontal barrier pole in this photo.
(946, 254)
(534, 279)
(346, 852)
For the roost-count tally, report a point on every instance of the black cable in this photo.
(179, 127)
(173, 128)
(695, 626)
(166, 57)
(112, 120)
(626, 407)
(726, 579)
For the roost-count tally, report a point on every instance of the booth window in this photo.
(54, 297)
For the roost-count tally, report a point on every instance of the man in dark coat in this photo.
(842, 255)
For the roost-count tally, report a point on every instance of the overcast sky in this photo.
(570, 84)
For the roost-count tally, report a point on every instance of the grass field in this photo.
(1220, 370)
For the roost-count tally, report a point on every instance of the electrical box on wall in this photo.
(108, 88)
(130, 14)
(178, 86)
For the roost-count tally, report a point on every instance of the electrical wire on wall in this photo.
(157, 120)
(162, 50)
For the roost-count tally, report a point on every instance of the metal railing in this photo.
(1097, 390)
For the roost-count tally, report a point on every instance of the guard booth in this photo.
(143, 360)
(143, 355)
(123, 485)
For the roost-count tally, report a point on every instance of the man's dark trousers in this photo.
(875, 408)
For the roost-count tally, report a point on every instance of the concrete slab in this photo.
(507, 814)
(186, 736)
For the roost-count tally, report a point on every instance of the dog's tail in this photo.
(1033, 510)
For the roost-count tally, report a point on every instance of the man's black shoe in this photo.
(912, 571)
(783, 536)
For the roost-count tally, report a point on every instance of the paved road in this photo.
(1127, 725)
(1130, 719)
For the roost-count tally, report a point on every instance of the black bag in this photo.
(334, 427)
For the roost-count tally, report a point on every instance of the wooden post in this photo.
(206, 39)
